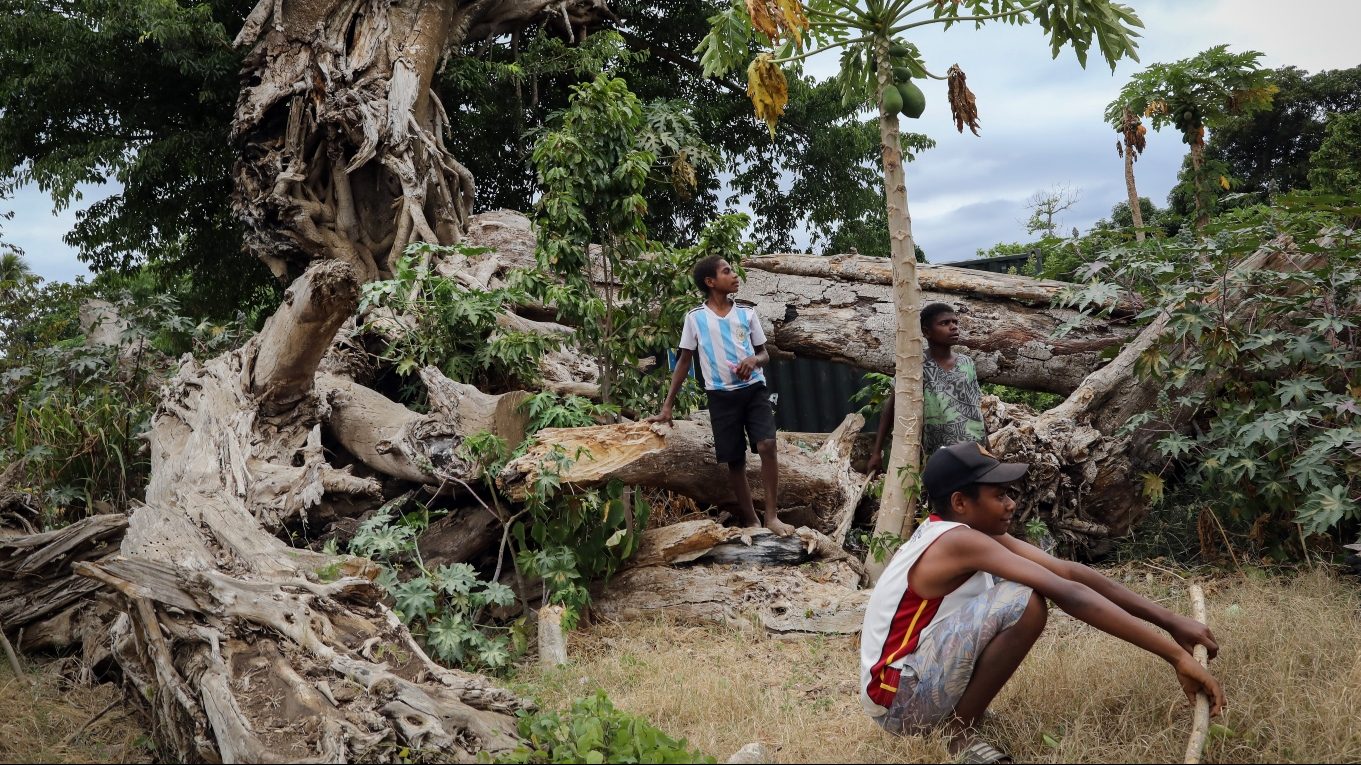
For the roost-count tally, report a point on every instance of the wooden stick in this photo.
(72, 738)
(1200, 718)
(13, 659)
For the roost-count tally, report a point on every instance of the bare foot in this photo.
(778, 526)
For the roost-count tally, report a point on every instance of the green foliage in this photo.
(1336, 167)
(547, 409)
(628, 296)
(881, 546)
(453, 328)
(141, 91)
(1280, 438)
(1035, 399)
(444, 606)
(593, 731)
(1269, 151)
(73, 414)
(572, 537)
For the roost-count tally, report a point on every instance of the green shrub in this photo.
(593, 731)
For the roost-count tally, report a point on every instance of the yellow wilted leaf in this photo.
(778, 18)
(1223, 183)
(1153, 488)
(1156, 107)
(768, 89)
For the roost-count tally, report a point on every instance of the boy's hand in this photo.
(876, 462)
(1196, 679)
(663, 417)
(1190, 633)
(748, 365)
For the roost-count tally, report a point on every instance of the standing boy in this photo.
(951, 399)
(731, 348)
(962, 602)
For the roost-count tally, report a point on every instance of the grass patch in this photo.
(41, 716)
(1289, 664)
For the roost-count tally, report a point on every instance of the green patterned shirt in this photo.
(951, 401)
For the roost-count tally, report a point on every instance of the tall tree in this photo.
(877, 66)
(1268, 151)
(1194, 94)
(1129, 146)
(1336, 167)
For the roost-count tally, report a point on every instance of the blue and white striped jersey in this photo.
(721, 342)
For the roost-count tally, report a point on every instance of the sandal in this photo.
(980, 751)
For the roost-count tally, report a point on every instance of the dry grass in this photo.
(40, 717)
(1289, 662)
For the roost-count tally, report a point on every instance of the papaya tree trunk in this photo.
(898, 506)
(1131, 152)
(1198, 172)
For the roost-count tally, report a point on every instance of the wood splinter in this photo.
(1200, 717)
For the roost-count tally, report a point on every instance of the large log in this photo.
(839, 309)
(816, 488)
(243, 647)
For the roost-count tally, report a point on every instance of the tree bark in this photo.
(340, 134)
(840, 308)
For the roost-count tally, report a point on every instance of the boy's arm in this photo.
(677, 379)
(965, 550)
(1187, 632)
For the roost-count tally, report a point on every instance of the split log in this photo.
(814, 598)
(247, 649)
(398, 442)
(818, 488)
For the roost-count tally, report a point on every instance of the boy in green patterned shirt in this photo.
(951, 399)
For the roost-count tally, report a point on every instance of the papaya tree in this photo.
(1129, 146)
(1193, 94)
(880, 67)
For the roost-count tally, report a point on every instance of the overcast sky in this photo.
(1041, 122)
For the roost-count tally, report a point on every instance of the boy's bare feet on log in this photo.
(779, 527)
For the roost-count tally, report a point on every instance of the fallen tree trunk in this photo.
(1086, 476)
(839, 309)
(247, 649)
(818, 488)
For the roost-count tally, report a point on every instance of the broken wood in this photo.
(817, 488)
(552, 640)
(242, 647)
(1200, 716)
(706, 541)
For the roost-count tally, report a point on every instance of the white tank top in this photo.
(897, 617)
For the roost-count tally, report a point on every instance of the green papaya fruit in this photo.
(901, 74)
(914, 100)
(898, 50)
(892, 100)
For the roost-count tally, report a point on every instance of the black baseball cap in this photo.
(952, 468)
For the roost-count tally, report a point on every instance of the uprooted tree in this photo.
(244, 646)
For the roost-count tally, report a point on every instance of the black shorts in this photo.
(740, 415)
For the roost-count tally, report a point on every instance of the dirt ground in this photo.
(1290, 662)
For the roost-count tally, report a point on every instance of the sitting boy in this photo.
(962, 602)
(731, 348)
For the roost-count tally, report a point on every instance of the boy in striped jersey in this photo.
(963, 601)
(731, 347)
